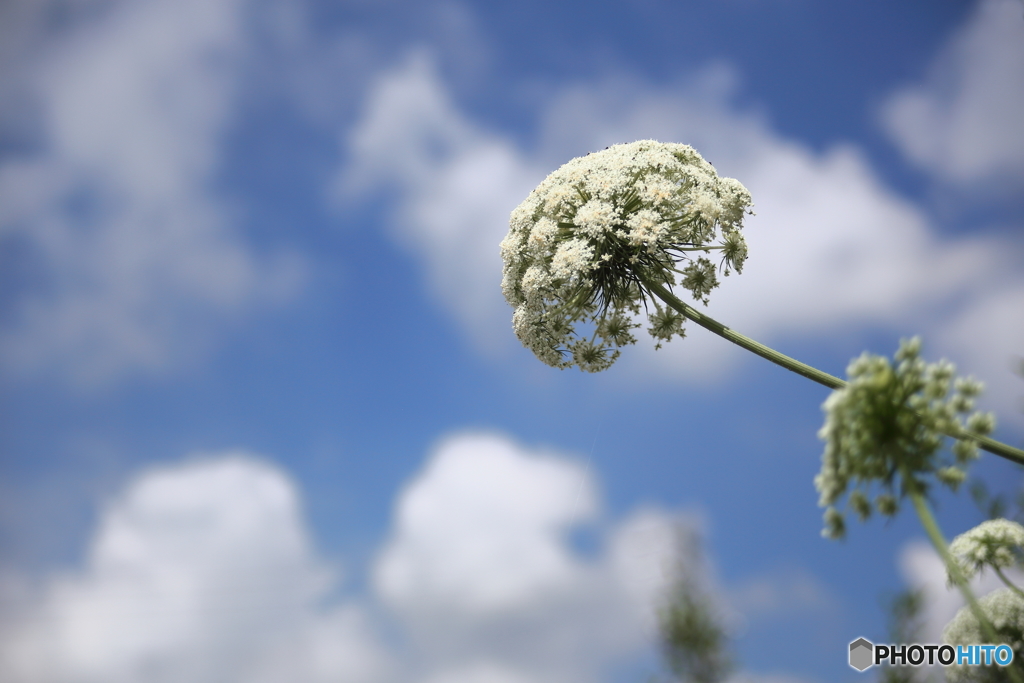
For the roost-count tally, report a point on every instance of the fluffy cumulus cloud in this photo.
(480, 571)
(198, 572)
(831, 247)
(479, 568)
(110, 200)
(205, 571)
(963, 124)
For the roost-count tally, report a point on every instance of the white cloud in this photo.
(833, 250)
(479, 567)
(996, 316)
(198, 572)
(765, 678)
(480, 672)
(205, 571)
(457, 185)
(963, 123)
(479, 530)
(785, 591)
(134, 254)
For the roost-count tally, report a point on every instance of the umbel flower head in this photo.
(1005, 609)
(583, 247)
(886, 428)
(996, 543)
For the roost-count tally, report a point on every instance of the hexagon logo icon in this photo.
(861, 654)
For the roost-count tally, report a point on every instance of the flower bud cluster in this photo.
(996, 543)
(887, 426)
(583, 244)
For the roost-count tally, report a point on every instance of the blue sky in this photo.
(263, 414)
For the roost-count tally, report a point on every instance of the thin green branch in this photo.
(995, 447)
(690, 313)
(1009, 584)
(741, 340)
(802, 369)
(705, 249)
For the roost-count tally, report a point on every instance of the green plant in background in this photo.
(694, 642)
(905, 611)
(617, 230)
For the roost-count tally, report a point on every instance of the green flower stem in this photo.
(708, 323)
(997, 447)
(690, 313)
(931, 527)
(1009, 584)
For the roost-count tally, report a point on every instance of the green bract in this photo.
(586, 244)
(886, 427)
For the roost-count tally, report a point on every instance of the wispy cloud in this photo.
(134, 255)
(455, 185)
(788, 591)
(963, 123)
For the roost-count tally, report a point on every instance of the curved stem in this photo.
(931, 527)
(803, 369)
(708, 323)
(1009, 584)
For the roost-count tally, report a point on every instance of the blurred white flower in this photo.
(1005, 609)
(994, 543)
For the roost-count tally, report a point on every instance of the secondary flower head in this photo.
(996, 543)
(886, 427)
(1005, 609)
(585, 245)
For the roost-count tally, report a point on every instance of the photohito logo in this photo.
(864, 654)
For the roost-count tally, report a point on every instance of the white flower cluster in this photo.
(587, 243)
(1005, 609)
(886, 427)
(996, 543)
